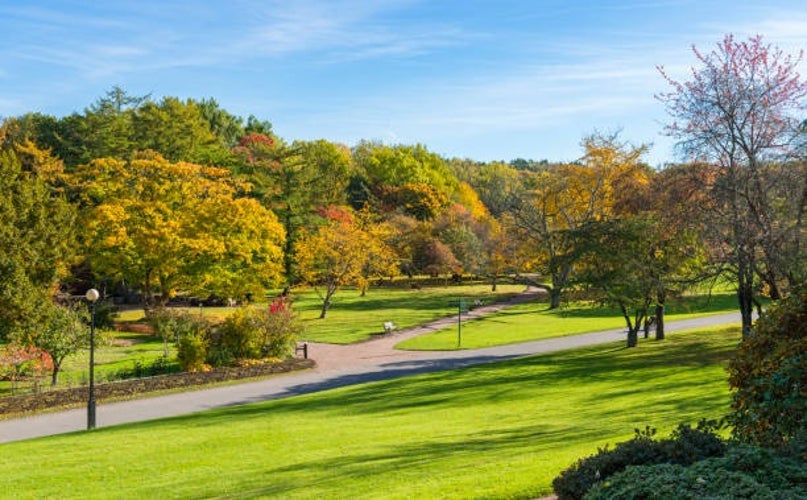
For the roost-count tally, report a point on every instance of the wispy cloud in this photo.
(322, 31)
(339, 31)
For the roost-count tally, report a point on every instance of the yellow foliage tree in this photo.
(564, 199)
(171, 227)
(340, 253)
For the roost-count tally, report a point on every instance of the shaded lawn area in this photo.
(498, 430)
(534, 321)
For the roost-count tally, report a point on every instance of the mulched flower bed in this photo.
(127, 388)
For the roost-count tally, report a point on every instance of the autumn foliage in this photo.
(18, 362)
(768, 376)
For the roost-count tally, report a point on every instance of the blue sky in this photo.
(487, 80)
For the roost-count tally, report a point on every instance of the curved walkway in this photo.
(337, 366)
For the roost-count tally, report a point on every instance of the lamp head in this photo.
(92, 295)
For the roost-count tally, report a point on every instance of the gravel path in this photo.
(337, 366)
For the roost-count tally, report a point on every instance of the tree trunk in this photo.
(493, 283)
(773, 287)
(745, 297)
(660, 321)
(554, 298)
(633, 330)
(745, 290)
(559, 278)
(633, 336)
(54, 374)
(325, 305)
(639, 320)
(326, 301)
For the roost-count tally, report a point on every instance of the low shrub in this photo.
(142, 368)
(743, 472)
(255, 333)
(188, 331)
(688, 445)
(248, 333)
(192, 350)
(685, 446)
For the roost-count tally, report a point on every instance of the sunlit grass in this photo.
(499, 430)
(535, 321)
(353, 318)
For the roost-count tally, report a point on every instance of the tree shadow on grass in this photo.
(430, 454)
(451, 383)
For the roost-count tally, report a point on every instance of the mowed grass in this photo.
(353, 318)
(502, 430)
(535, 321)
(115, 352)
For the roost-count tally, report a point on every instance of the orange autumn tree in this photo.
(339, 253)
(167, 227)
(562, 200)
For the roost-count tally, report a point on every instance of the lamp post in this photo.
(92, 296)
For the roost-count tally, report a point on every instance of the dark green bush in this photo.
(688, 445)
(684, 446)
(768, 376)
(105, 314)
(743, 472)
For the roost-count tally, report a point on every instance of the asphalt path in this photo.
(337, 366)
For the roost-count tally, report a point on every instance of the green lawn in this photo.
(353, 318)
(495, 431)
(534, 321)
(115, 352)
(118, 351)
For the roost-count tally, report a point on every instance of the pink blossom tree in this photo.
(740, 110)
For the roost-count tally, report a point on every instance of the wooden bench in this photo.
(389, 327)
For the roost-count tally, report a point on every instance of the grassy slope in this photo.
(500, 430)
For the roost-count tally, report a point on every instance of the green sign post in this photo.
(462, 306)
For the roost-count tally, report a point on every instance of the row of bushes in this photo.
(248, 334)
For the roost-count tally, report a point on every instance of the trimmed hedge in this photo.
(125, 388)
